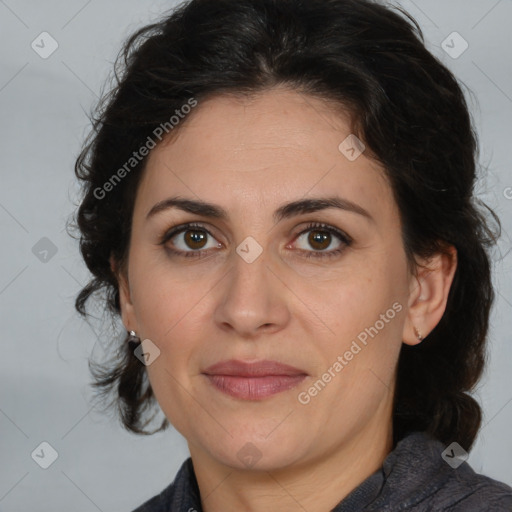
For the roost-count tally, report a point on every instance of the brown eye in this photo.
(319, 240)
(321, 237)
(189, 240)
(195, 239)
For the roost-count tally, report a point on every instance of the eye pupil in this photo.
(319, 237)
(195, 239)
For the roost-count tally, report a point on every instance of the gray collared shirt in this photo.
(413, 477)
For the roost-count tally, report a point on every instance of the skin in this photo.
(250, 157)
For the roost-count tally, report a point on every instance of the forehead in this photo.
(273, 147)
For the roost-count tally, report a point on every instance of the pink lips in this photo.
(253, 381)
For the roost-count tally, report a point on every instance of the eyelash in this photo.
(191, 226)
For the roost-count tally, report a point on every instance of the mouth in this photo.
(253, 381)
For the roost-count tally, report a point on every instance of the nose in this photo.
(252, 299)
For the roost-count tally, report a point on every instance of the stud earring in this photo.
(418, 333)
(133, 339)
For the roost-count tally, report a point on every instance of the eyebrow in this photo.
(285, 211)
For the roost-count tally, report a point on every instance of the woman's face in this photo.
(266, 281)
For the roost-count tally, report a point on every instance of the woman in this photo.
(278, 203)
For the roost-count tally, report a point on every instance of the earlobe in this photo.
(417, 333)
(428, 295)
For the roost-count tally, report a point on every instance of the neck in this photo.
(315, 485)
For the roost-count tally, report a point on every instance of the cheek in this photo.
(166, 294)
(365, 313)
(173, 310)
(172, 315)
(357, 298)
(366, 316)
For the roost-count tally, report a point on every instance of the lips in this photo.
(256, 369)
(253, 381)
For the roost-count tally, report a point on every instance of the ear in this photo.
(125, 301)
(428, 294)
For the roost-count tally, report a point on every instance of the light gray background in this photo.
(44, 394)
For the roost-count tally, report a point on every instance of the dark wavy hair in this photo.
(407, 108)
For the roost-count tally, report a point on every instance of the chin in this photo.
(256, 453)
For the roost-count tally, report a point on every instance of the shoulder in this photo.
(181, 494)
(429, 482)
(463, 490)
